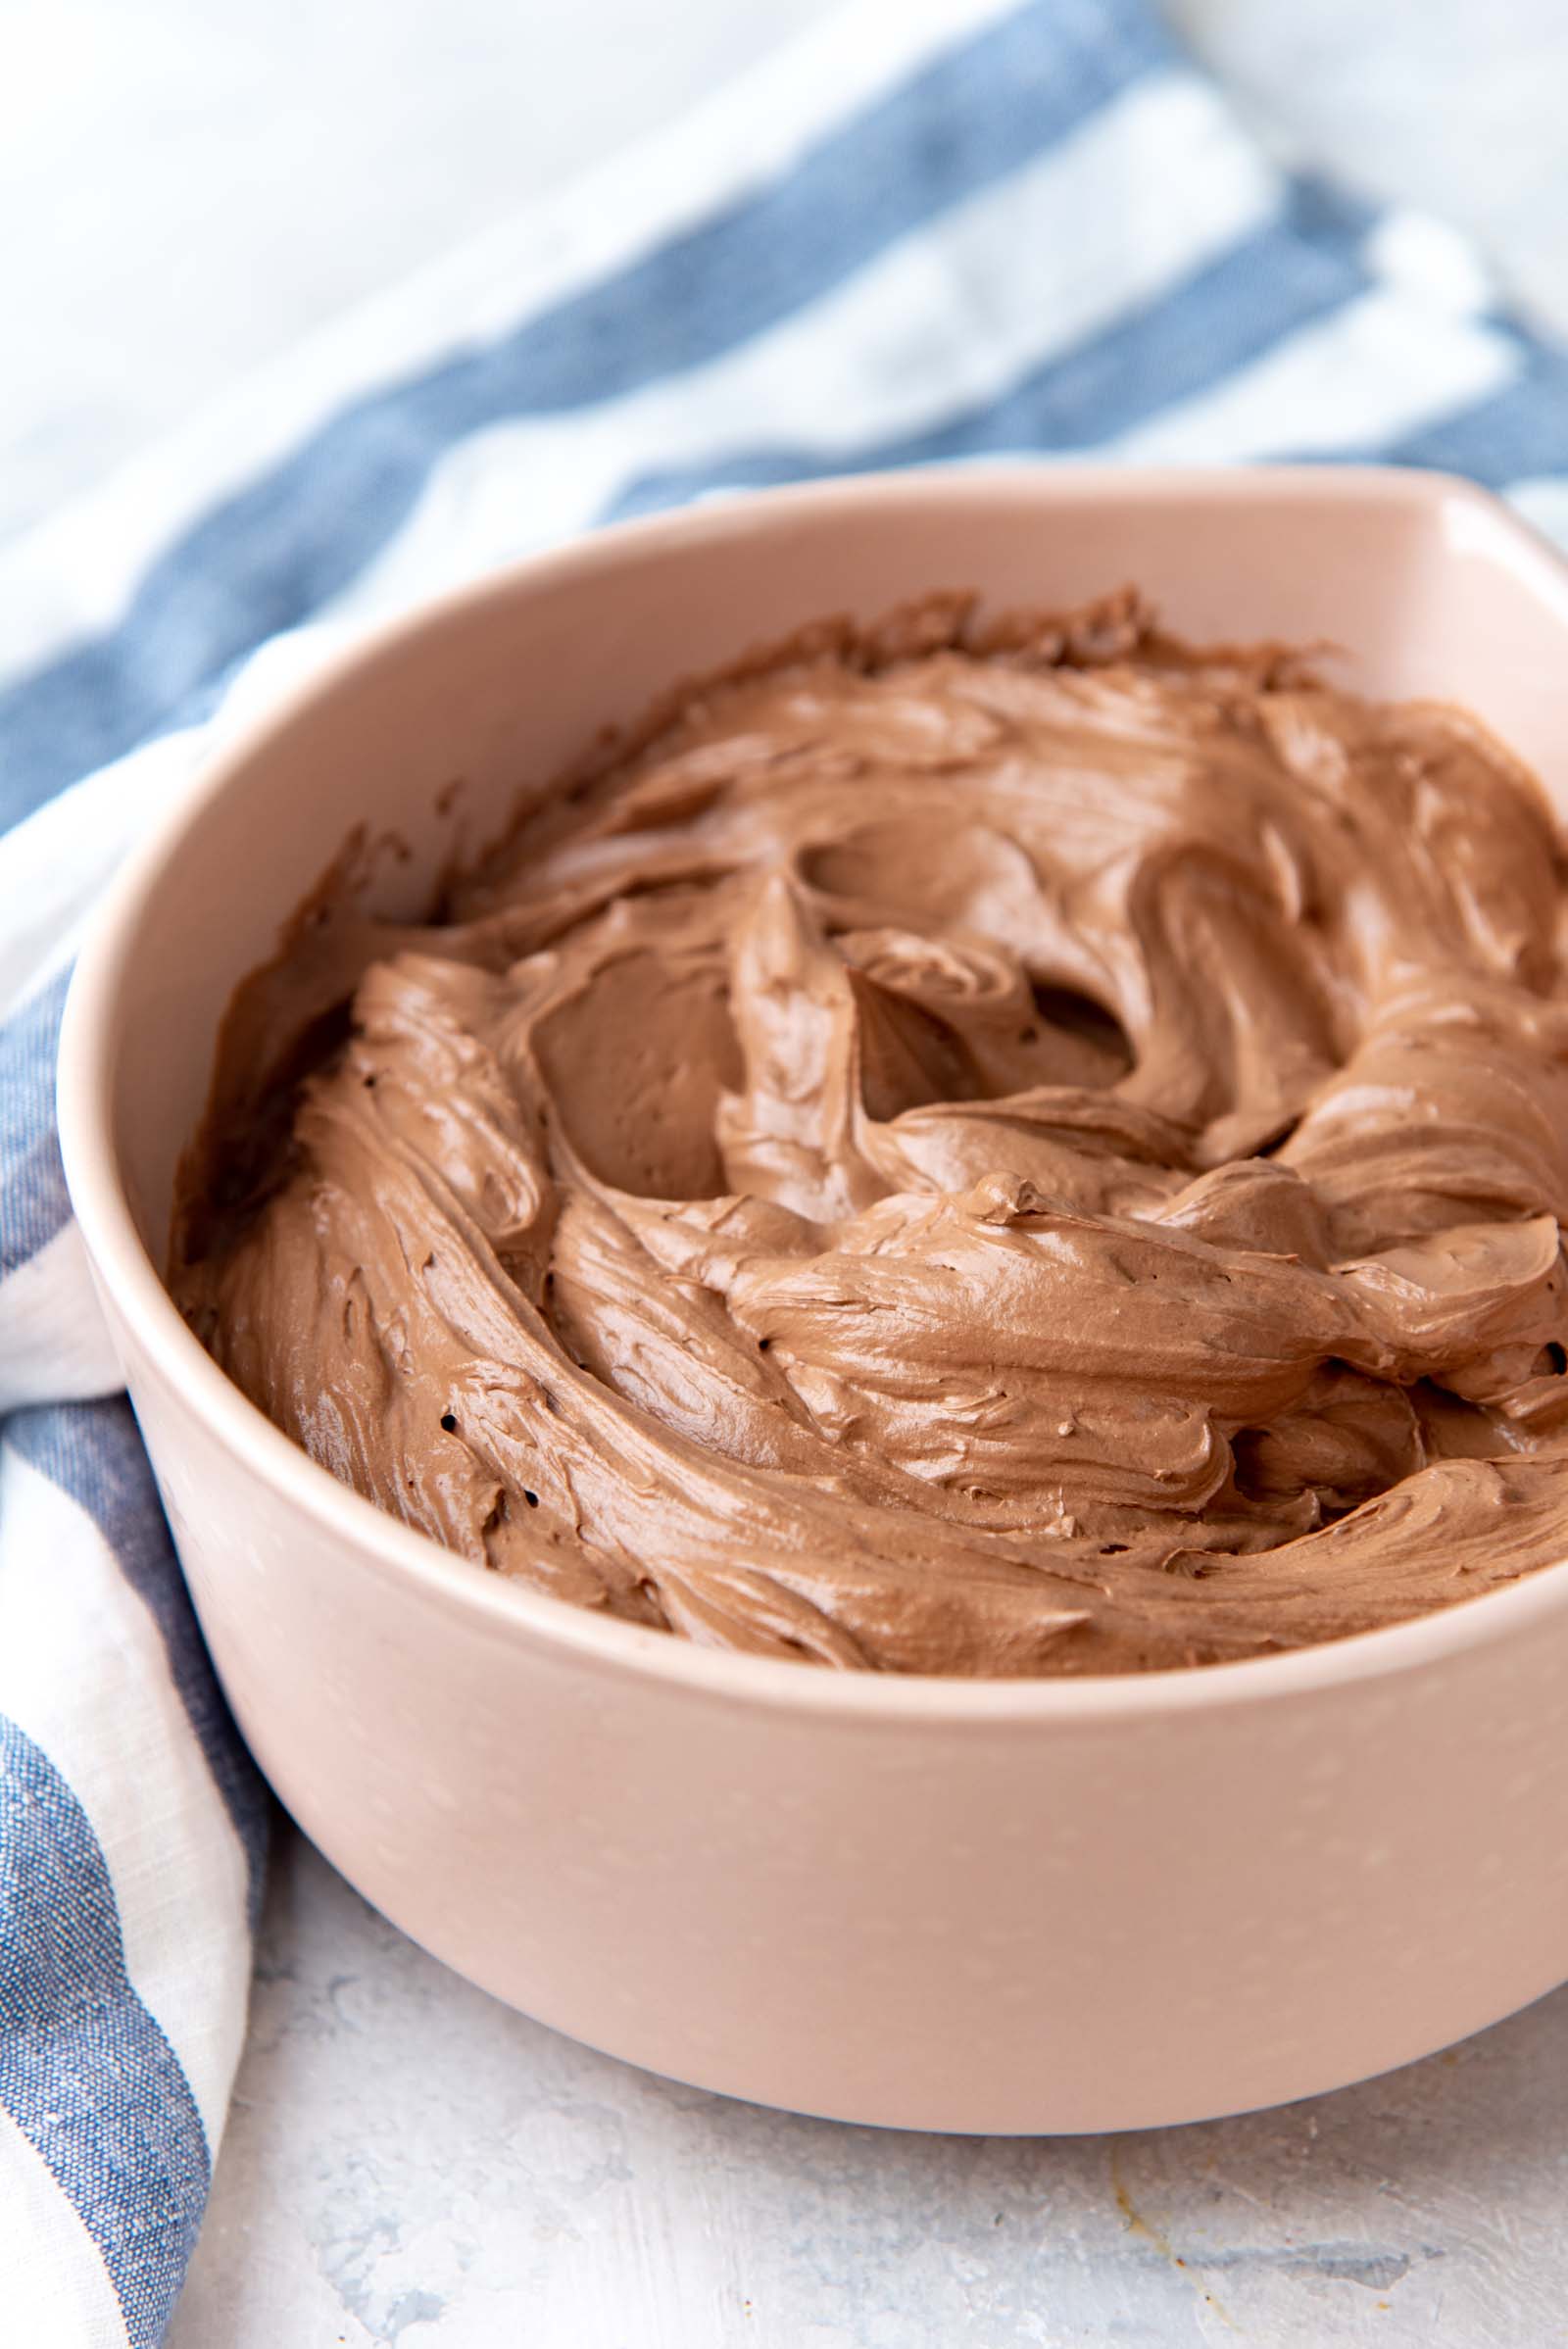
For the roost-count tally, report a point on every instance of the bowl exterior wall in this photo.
(1020, 1925)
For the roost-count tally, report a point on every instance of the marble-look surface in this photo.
(409, 2165)
(406, 2162)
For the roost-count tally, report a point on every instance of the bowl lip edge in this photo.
(124, 1269)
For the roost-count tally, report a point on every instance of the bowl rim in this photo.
(450, 1584)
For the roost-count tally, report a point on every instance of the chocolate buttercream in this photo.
(1023, 1150)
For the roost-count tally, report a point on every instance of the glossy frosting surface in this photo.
(1033, 1151)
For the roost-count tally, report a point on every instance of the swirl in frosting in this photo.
(1010, 1150)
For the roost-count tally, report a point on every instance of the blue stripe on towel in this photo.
(84, 2071)
(33, 1206)
(1517, 434)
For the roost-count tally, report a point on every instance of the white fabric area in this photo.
(57, 2289)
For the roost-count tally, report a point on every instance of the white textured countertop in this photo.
(406, 2162)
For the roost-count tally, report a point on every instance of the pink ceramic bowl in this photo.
(931, 1903)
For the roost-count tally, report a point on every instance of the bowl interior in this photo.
(1431, 588)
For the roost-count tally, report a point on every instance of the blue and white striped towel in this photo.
(957, 227)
